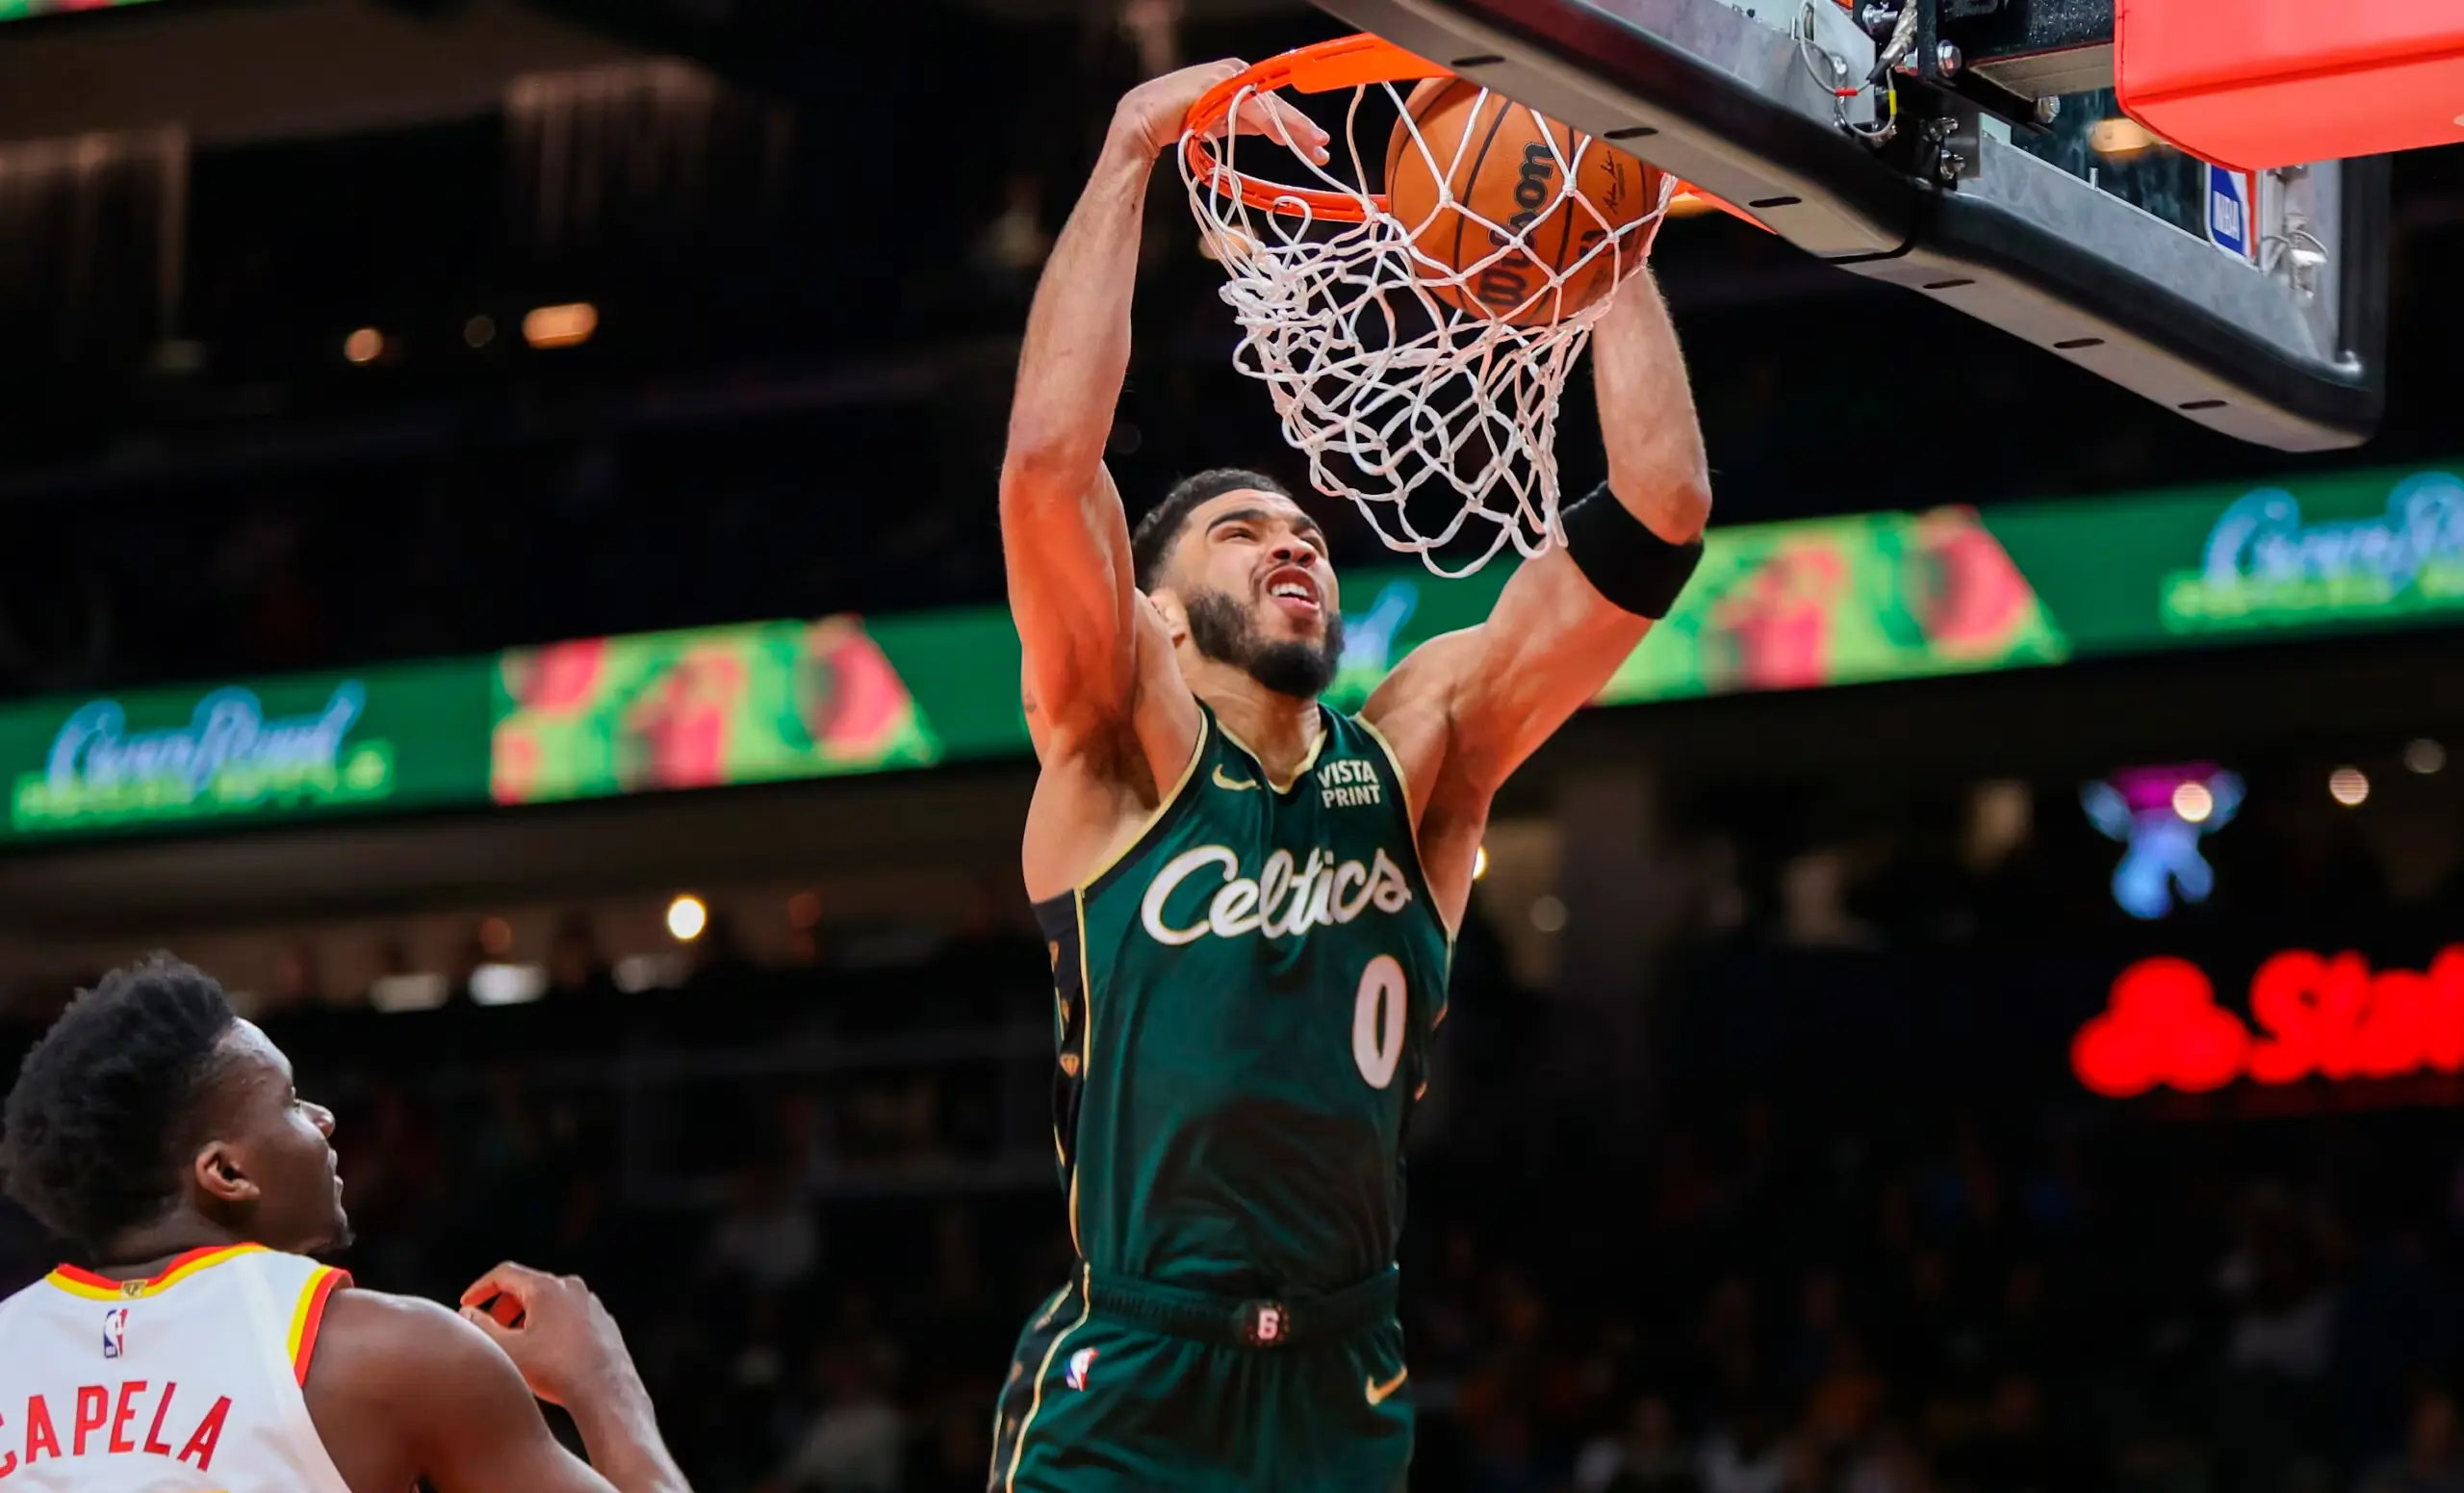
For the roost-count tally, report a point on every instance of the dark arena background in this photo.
(499, 563)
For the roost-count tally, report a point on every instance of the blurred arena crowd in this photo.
(1830, 1261)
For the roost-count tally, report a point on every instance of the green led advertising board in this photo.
(1796, 605)
(2345, 552)
(1775, 606)
(707, 707)
(229, 755)
(25, 10)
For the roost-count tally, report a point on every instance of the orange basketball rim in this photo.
(1326, 67)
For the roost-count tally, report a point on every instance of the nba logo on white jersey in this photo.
(1079, 1363)
(230, 1337)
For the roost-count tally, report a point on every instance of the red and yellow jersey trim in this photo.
(102, 1288)
(310, 1315)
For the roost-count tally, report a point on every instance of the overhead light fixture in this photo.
(2424, 756)
(2349, 787)
(479, 332)
(365, 345)
(686, 918)
(568, 325)
(1480, 863)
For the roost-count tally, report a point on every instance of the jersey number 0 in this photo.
(1378, 1021)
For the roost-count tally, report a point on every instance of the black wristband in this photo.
(1630, 567)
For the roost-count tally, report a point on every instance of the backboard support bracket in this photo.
(1720, 92)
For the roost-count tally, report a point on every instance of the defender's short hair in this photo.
(104, 1100)
(1151, 543)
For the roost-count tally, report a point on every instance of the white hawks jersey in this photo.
(189, 1383)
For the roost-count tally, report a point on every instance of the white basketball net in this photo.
(1393, 393)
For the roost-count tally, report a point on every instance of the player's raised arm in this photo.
(1568, 619)
(1063, 531)
(405, 1393)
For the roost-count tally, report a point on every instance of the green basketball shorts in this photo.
(1126, 1385)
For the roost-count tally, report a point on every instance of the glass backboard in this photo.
(2254, 303)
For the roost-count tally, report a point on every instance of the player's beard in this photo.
(1226, 632)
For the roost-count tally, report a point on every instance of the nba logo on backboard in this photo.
(2229, 211)
(116, 1332)
(1079, 1363)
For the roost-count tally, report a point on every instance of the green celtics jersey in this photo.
(1246, 996)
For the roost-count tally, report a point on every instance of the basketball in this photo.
(1509, 184)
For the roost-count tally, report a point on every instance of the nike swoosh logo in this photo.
(1378, 1393)
(1234, 784)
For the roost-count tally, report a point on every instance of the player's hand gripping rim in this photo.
(1158, 110)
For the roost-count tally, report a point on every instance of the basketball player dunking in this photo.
(1250, 899)
(205, 1350)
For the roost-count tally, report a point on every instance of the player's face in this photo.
(1254, 580)
(280, 1147)
(1263, 551)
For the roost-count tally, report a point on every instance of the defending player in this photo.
(162, 1133)
(1251, 899)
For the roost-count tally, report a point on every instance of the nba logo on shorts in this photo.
(116, 1332)
(1079, 1363)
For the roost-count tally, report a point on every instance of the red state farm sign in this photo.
(2329, 1017)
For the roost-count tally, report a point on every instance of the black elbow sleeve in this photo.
(1633, 568)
